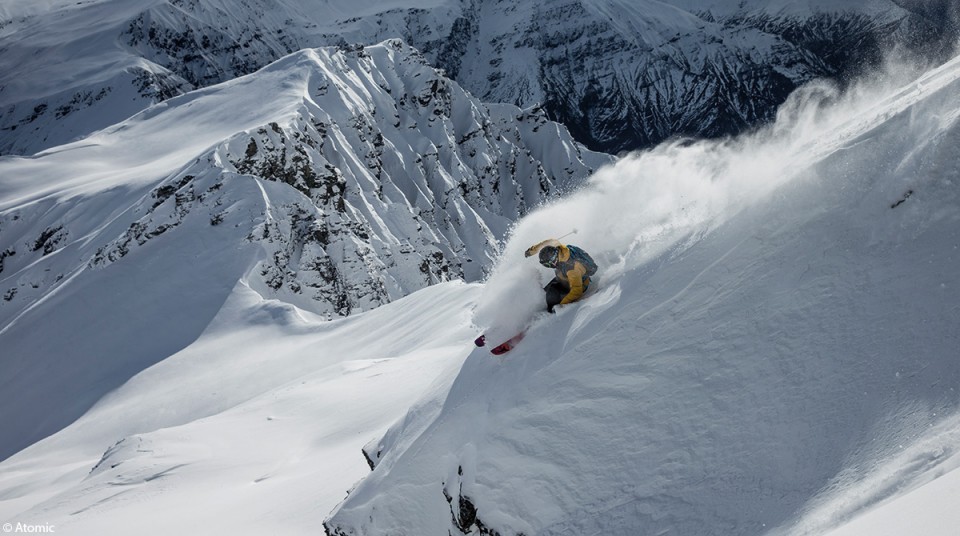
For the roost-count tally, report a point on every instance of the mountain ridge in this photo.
(705, 71)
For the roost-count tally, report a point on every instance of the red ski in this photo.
(504, 347)
(507, 346)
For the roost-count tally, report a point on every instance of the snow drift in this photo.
(777, 317)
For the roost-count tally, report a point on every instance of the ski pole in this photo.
(574, 231)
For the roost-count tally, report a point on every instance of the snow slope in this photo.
(255, 427)
(778, 319)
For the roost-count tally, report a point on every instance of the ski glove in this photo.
(533, 250)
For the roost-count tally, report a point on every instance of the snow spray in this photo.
(632, 211)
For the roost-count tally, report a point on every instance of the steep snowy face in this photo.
(771, 348)
(621, 75)
(334, 179)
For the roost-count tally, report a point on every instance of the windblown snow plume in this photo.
(632, 211)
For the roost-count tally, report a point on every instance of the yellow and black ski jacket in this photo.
(572, 269)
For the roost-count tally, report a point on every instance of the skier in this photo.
(573, 268)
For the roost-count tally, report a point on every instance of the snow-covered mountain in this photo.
(621, 75)
(771, 348)
(335, 179)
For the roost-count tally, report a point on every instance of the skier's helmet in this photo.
(549, 256)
